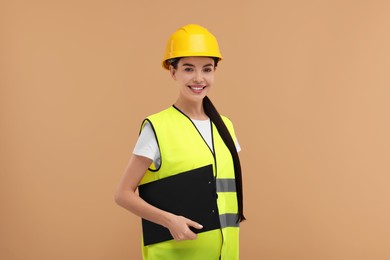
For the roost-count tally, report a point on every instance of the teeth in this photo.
(197, 88)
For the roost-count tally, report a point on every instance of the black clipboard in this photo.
(191, 194)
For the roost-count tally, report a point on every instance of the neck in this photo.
(193, 110)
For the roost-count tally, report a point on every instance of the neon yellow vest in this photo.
(182, 148)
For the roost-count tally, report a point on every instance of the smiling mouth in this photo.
(197, 88)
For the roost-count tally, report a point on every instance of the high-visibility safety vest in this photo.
(182, 148)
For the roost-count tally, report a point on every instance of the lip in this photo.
(197, 88)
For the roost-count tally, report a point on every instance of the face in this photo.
(195, 76)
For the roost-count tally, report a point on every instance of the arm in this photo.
(127, 198)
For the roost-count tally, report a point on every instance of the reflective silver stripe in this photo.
(229, 220)
(226, 185)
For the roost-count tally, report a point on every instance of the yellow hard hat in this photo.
(191, 40)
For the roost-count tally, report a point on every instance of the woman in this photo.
(185, 163)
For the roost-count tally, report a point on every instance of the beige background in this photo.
(305, 82)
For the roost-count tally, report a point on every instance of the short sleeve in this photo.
(238, 147)
(147, 144)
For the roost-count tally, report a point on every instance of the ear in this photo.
(172, 71)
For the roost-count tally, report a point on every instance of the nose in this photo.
(198, 77)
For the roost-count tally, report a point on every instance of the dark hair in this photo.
(215, 117)
(175, 61)
(223, 131)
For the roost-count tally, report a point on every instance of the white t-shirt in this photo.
(147, 144)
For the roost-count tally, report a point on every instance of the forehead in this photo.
(196, 61)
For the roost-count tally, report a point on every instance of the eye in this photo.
(208, 69)
(188, 69)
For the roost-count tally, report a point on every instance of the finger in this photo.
(191, 235)
(188, 235)
(194, 224)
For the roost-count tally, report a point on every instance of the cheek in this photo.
(210, 79)
(184, 79)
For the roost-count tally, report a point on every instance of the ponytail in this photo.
(215, 117)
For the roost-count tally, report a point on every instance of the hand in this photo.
(179, 228)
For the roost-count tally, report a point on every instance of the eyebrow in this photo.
(192, 65)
